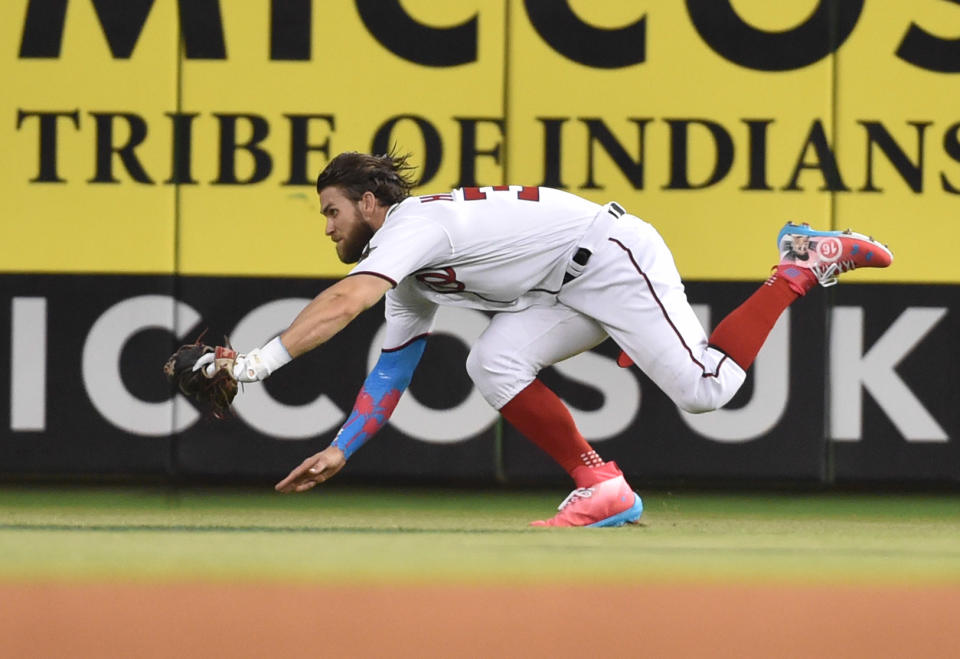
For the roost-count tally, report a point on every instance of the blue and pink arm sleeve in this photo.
(379, 395)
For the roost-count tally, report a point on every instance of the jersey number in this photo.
(526, 192)
(442, 281)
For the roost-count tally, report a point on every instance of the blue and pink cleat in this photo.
(609, 502)
(825, 254)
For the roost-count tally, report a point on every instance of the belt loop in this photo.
(616, 210)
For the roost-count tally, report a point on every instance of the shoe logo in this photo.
(829, 249)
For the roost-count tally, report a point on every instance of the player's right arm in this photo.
(375, 403)
(410, 319)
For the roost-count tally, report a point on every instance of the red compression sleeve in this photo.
(541, 417)
(741, 334)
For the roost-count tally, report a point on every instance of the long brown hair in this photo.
(386, 176)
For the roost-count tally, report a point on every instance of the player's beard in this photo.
(350, 249)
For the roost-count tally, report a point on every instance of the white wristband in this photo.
(274, 355)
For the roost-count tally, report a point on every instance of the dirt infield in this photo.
(183, 620)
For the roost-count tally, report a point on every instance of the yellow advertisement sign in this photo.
(82, 131)
(352, 94)
(184, 137)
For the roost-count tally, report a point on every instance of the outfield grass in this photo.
(341, 535)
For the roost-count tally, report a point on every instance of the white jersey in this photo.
(494, 248)
(508, 249)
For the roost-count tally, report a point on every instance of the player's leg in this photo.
(504, 363)
(807, 257)
(632, 288)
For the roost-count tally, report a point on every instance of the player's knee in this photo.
(699, 400)
(695, 406)
(486, 363)
(497, 376)
(698, 393)
(474, 365)
(482, 371)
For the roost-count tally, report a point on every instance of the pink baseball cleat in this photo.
(826, 254)
(609, 502)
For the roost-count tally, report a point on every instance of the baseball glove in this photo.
(212, 386)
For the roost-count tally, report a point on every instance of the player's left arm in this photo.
(332, 310)
(412, 243)
(318, 322)
(375, 403)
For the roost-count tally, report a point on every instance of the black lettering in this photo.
(43, 29)
(951, 144)
(758, 154)
(263, 163)
(202, 29)
(48, 142)
(182, 146)
(679, 154)
(432, 144)
(911, 172)
(106, 148)
(290, 23)
(396, 31)
(552, 153)
(300, 146)
(826, 162)
(928, 51)
(562, 29)
(122, 22)
(469, 151)
(597, 131)
(719, 25)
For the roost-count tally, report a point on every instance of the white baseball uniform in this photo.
(520, 251)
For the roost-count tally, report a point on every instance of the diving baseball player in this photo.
(561, 274)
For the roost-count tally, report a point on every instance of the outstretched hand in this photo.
(313, 471)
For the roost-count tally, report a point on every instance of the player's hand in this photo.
(250, 367)
(313, 471)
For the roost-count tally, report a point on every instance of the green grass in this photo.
(342, 535)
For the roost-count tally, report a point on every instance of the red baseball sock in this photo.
(541, 417)
(742, 333)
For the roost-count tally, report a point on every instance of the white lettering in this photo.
(28, 364)
(101, 365)
(852, 371)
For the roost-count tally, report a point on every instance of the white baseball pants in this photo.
(630, 290)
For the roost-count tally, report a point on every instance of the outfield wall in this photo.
(158, 181)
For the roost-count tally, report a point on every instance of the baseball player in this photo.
(561, 274)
